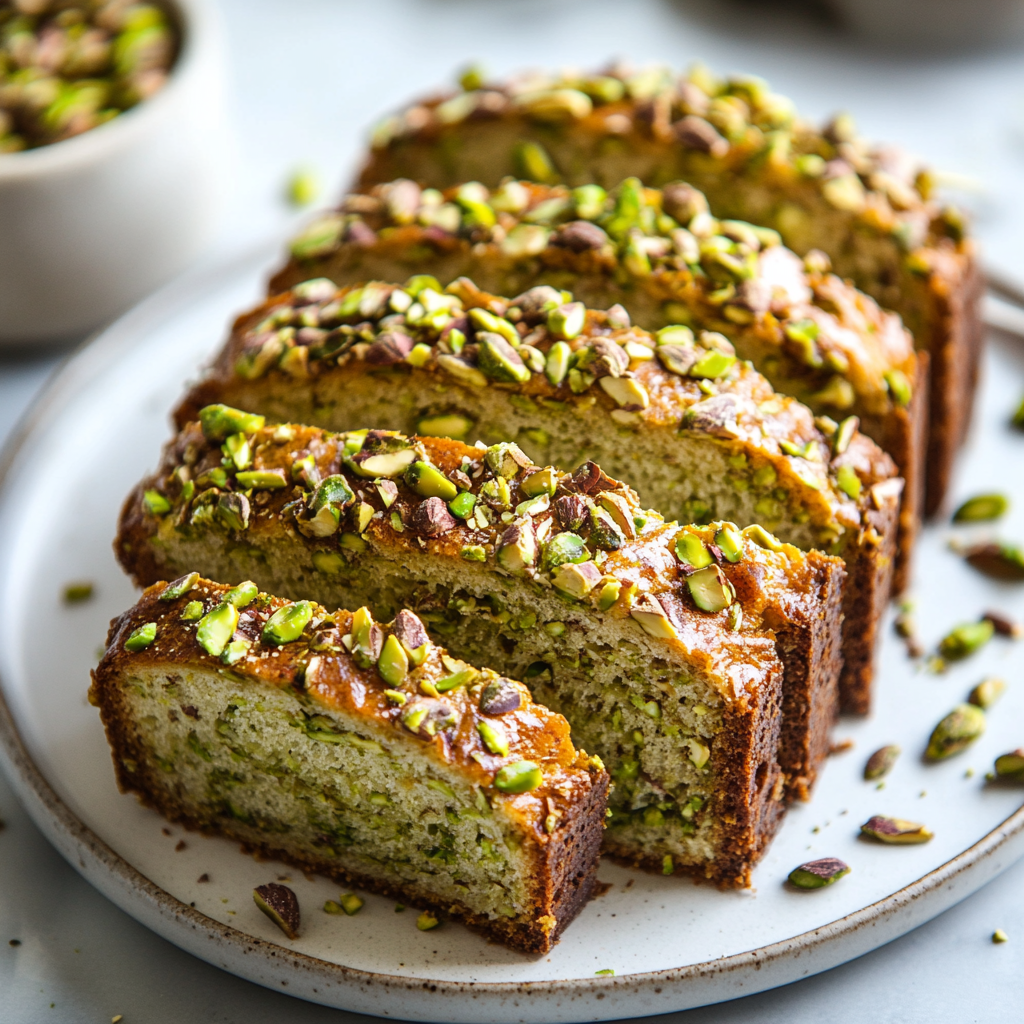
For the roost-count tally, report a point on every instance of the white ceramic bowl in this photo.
(90, 225)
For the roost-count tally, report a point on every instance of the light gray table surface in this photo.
(307, 77)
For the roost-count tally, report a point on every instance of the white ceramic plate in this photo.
(671, 944)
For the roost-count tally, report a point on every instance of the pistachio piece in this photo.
(1004, 625)
(848, 481)
(494, 737)
(426, 717)
(243, 595)
(956, 732)
(899, 386)
(678, 359)
(519, 777)
(574, 580)
(604, 532)
(220, 421)
(517, 548)
(1000, 936)
(155, 503)
(179, 588)
(609, 595)
(499, 360)
(965, 639)
(895, 831)
(622, 515)
(76, 593)
(1010, 766)
(216, 628)
(986, 693)
(543, 481)
(730, 542)
(565, 322)
(235, 651)
(564, 548)
(393, 664)
(287, 623)
(982, 508)
(627, 392)
(427, 921)
(816, 874)
(262, 479)
(409, 630)
(233, 511)
(499, 697)
(141, 638)
(386, 464)
(1000, 561)
(710, 590)
(366, 638)
(429, 482)
(556, 366)
(881, 762)
(844, 434)
(192, 611)
(431, 518)
(506, 459)
(474, 553)
(762, 538)
(650, 614)
(691, 551)
(281, 905)
(461, 677)
(238, 450)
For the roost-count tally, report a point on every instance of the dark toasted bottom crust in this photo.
(565, 868)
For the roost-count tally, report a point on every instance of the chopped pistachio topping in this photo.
(141, 638)
(287, 623)
(220, 421)
(155, 503)
(986, 693)
(710, 590)
(691, 550)
(180, 587)
(192, 611)
(816, 874)
(519, 777)
(429, 482)
(427, 921)
(216, 628)
(393, 664)
(494, 737)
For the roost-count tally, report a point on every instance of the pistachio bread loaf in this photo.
(701, 435)
(270, 722)
(661, 256)
(669, 650)
(870, 208)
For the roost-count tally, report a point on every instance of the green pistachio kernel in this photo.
(520, 777)
(956, 732)
(462, 504)
(420, 355)
(965, 639)
(881, 762)
(899, 386)
(429, 482)
(180, 587)
(803, 334)
(396, 697)
(567, 321)
(556, 368)
(474, 553)
(818, 873)
(1010, 766)
(986, 693)
(238, 450)
(330, 563)
(608, 595)
(452, 424)
(350, 903)
(76, 593)
(710, 590)
(262, 480)
(460, 678)
(544, 481)
(141, 638)
(712, 365)
(216, 628)
(675, 334)
(330, 907)
(982, 509)
(564, 548)
(730, 542)
(155, 503)
(192, 611)
(486, 321)
(499, 360)
(494, 737)
(243, 595)
(235, 651)
(352, 542)
(393, 663)
(762, 538)
(287, 623)
(220, 421)
(848, 481)
(427, 921)
(691, 550)
(589, 201)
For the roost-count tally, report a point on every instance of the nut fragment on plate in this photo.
(895, 831)
(816, 874)
(956, 732)
(986, 693)
(281, 905)
(982, 508)
(1011, 765)
(881, 761)
(999, 560)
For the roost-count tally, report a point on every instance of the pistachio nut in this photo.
(621, 514)
(262, 479)
(427, 921)
(506, 459)
(565, 322)
(238, 450)
(576, 580)
(498, 360)
(366, 638)
(429, 482)
(627, 392)
(192, 611)
(287, 623)
(899, 386)
(848, 481)
(604, 531)
(1010, 766)
(965, 639)
(895, 831)
(233, 511)
(463, 504)
(216, 628)
(141, 638)
(180, 587)
(494, 736)
(243, 595)
(609, 595)
(235, 651)
(564, 548)
(844, 434)
(155, 503)
(460, 677)
(816, 874)
(881, 762)
(986, 693)
(393, 664)
(499, 697)
(956, 732)
(692, 551)
(543, 481)
(710, 590)
(474, 553)
(982, 508)
(220, 421)
(651, 616)
(999, 560)
(427, 717)
(519, 777)
(281, 905)
(730, 542)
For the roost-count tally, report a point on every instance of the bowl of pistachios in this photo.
(114, 156)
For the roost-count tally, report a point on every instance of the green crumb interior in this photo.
(288, 775)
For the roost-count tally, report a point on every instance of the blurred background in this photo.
(306, 79)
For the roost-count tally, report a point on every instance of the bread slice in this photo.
(670, 657)
(660, 255)
(871, 209)
(245, 715)
(700, 435)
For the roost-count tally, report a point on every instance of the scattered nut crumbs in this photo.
(204, 877)
(1000, 936)
(607, 970)
(76, 593)
(182, 845)
(303, 187)
(427, 921)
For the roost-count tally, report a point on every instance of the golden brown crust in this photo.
(868, 207)
(573, 786)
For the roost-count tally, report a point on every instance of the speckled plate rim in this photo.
(551, 1002)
